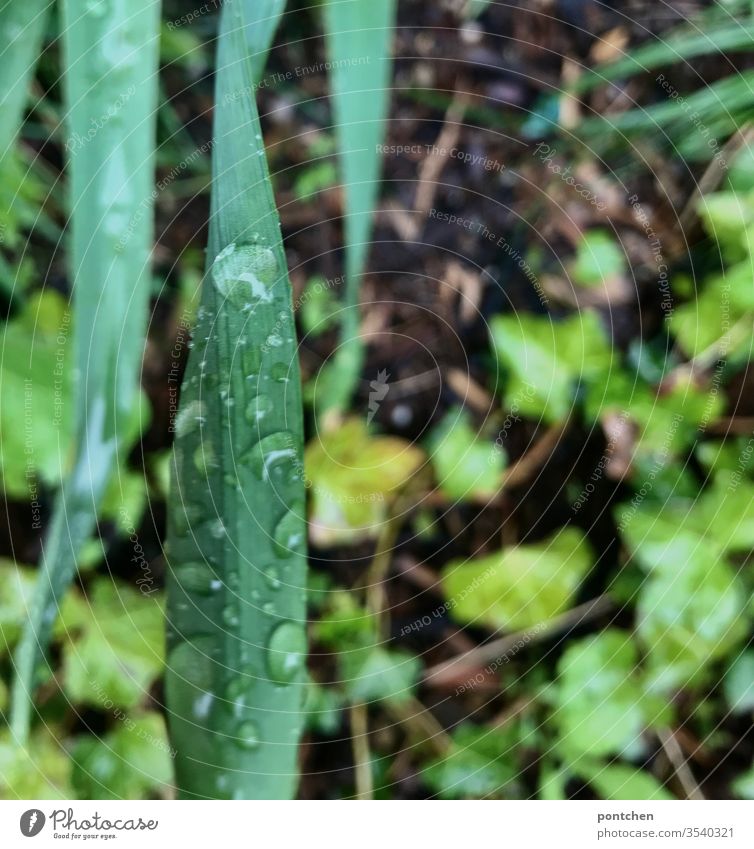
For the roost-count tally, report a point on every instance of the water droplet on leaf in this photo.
(286, 652)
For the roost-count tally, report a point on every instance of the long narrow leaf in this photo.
(474, 8)
(236, 531)
(359, 35)
(726, 105)
(680, 47)
(111, 51)
(23, 26)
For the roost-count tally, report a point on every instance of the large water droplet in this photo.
(270, 452)
(281, 372)
(204, 458)
(186, 517)
(251, 360)
(244, 274)
(248, 735)
(286, 652)
(198, 578)
(288, 535)
(230, 617)
(193, 663)
(272, 578)
(258, 408)
(189, 418)
(216, 528)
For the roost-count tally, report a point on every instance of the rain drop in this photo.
(198, 578)
(244, 274)
(248, 734)
(271, 451)
(189, 418)
(286, 652)
(288, 535)
(258, 408)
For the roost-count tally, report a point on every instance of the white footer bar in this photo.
(378, 825)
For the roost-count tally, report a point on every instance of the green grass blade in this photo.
(110, 86)
(679, 47)
(236, 531)
(359, 35)
(260, 31)
(23, 26)
(474, 8)
(726, 105)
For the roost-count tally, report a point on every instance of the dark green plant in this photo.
(236, 542)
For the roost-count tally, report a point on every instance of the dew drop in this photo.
(230, 617)
(204, 458)
(258, 408)
(248, 735)
(189, 418)
(272, 578)
(288, 535)
(286, 652)
(192, 662)
(281, 372)
(244, 274)
(186, 517)
(198, 578)
(270, 452)
(251, 360)
(214, 527)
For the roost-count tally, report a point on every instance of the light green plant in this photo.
(110, 95)
(359, 35)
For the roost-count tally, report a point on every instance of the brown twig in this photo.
(450, 670)
(679, 764)
(432, 166)
(525, 467)
(362, 759)
(713, 175)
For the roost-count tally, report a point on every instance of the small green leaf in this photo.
(519, 587)
(480, 763)
(689, 614)
(132, 762)
(623, 783)
(115, 650)
(600, 704)
(726, 215)
(598, 259)
(743, 786)
(16, 591)
(375, 674)
(40, 770)
(547, 360)
(466, 466)
(318, 307)
(738, 683)
(352, 478)
(35, 387)
(323, 707)
(314, 179)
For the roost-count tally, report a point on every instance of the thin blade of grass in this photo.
(21, 33)
(358, 38)
(236, 530)
(679, 47)
(721, 108)
(110, 84)
(474, 8)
